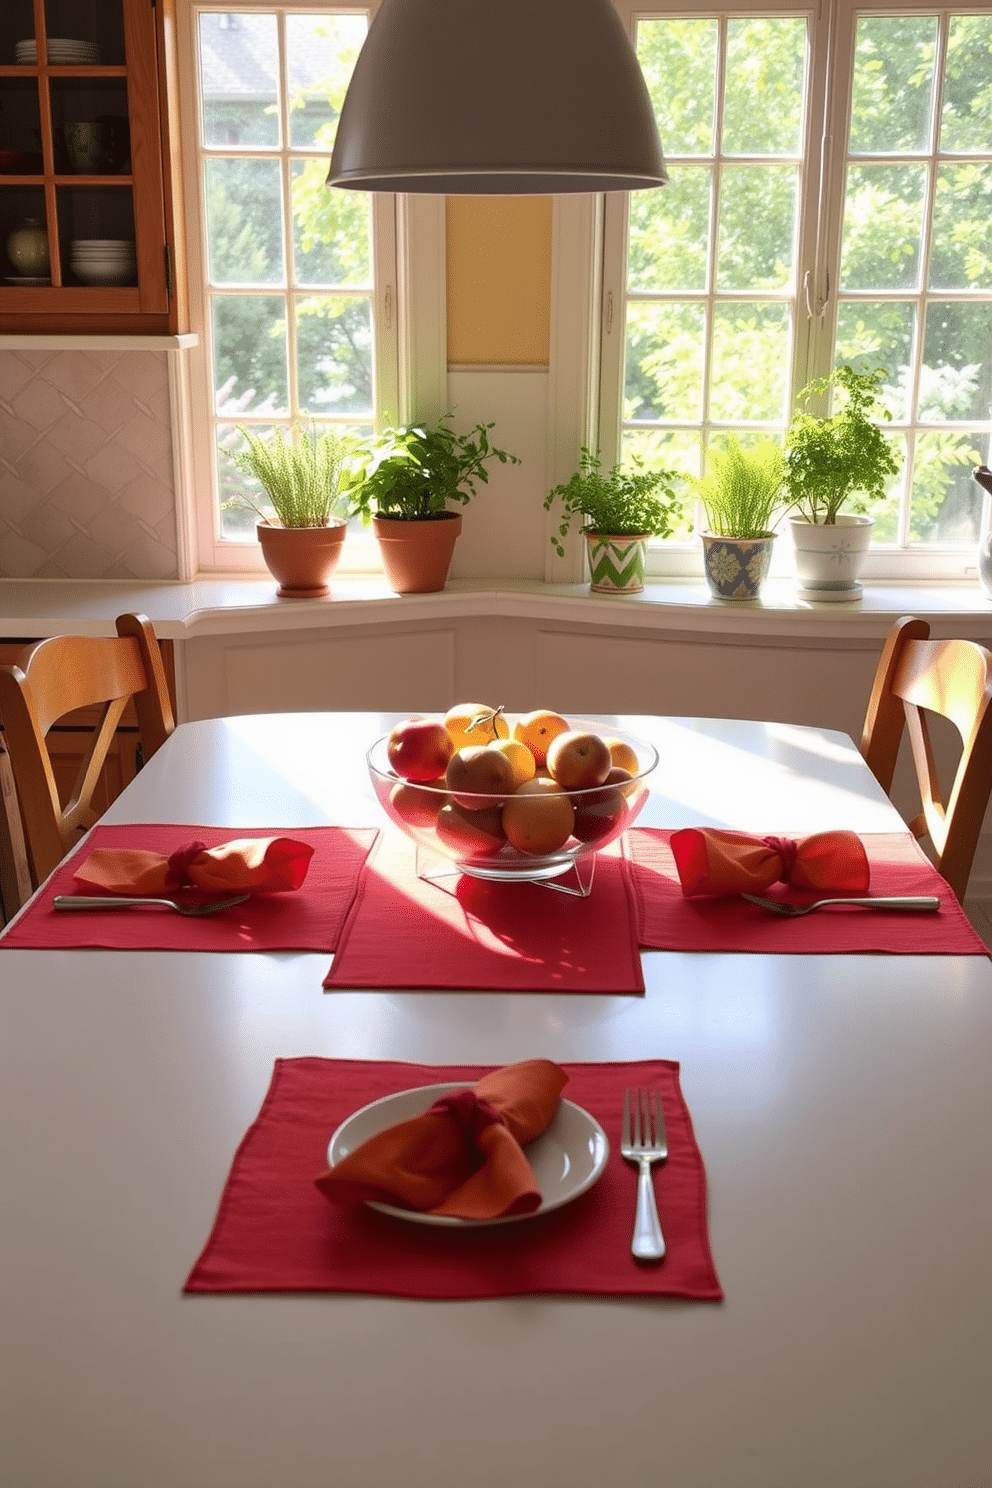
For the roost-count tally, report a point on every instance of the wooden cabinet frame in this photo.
(157, 304)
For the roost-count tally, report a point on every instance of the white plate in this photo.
(28, 279)
(65, 55)
(567, 1159)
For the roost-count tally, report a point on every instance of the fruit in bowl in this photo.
(532, 799)
(419, 749)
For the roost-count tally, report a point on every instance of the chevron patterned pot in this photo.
(617, 563)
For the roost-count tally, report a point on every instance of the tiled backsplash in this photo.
(86, 476)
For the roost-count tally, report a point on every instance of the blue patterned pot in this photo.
(616, 564)
(736, 567)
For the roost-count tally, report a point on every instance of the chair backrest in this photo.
(917, 676)
(55, 677)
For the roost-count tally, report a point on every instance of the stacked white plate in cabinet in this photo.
(103, 260)
(62, 52)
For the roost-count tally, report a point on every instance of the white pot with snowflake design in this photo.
(830, 556)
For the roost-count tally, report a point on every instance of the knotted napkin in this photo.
(712, 861)
(263, 865)
(463, 1156)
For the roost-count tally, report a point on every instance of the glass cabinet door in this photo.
(82, 219)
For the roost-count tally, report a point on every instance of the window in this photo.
(830, 201)
(295, 283)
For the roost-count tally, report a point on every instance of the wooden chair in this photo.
(917, 676)
(55, 677)
(15, 867)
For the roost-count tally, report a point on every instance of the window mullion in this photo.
(285, 173)
(716, 191)
(832, 57)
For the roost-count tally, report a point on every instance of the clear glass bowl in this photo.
(472, 841)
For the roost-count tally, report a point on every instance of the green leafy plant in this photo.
(742, 487)
(414, 471)
(843, 458)
(617, 502)
(301, 476)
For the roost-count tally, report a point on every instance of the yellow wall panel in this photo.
(499, 280)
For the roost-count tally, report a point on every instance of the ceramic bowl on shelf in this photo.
(103, 260)
(466, 829)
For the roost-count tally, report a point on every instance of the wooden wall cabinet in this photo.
(86, 152)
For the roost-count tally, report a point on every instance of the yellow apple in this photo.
(623, 755)
(520, 759)
(578, 760)
(538, 817)
(475, 723)
(537, 730)
(479, 771)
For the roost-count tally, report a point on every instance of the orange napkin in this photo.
(264, 865)
(711, 861)
(463, 1156)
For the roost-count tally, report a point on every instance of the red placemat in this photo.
(463, 933)
(275, 1233)
(308, 919)
(669, 922)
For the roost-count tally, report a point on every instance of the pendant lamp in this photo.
(497, 97)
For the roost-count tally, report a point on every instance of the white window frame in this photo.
(832, 28)
(409, 320)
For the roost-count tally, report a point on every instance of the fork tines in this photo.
(642, 1111)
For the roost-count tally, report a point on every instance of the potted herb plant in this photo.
(620, 509)
(298, 530)
(403, 482)
(834, 461)
(740, 492)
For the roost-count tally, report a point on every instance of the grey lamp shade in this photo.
(497, 97)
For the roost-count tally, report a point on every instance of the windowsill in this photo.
(222, 605)
(29, 341)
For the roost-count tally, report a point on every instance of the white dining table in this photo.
(842, 1105)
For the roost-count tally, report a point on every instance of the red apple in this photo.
(479, 771)
(618, 778)
(416, 805)
(469, 833)
(578, 761)
(419, 749)
(601, 816)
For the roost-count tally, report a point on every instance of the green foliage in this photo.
(301, 478)
(742, 487)
(618, 503)
(843, 458)
(683, 369)
(412, 472)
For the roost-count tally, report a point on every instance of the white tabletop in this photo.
(843, 1107)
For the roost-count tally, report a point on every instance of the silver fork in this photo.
(918, 902)
(84, 901)
(638, 1146)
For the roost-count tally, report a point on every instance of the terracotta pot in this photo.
(736, 567)
(830, 556)
(301, 558)
(417, 555)
(616, 564)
